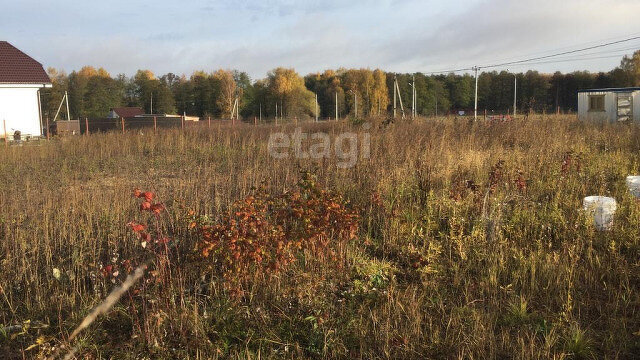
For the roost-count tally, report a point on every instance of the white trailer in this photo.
(609, 105)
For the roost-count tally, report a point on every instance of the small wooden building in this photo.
(609, 105)
(125, 112)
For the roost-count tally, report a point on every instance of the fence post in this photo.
(182, 122)
(255, 121)
(155, 124)
(6, 137)
(86, 125)
(209, 120)
(47, 128)
(122, 121)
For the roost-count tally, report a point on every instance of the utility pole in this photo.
(151, 103)
(515, 93)
(413, 97)
(336, 106)
(316, 107)
(475, 106)
(395, 83)
(66, 96)
(397, 87)
(276, 113)
(415, 89)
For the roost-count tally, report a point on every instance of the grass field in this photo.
(470, 244)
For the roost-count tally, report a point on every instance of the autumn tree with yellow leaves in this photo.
(145, 88)
(92, 92)
(227, 91)
(287, 88)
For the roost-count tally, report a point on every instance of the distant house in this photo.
(125, 112)
(609, 105)
(21, 78)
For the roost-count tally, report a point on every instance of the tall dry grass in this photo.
(472, 245)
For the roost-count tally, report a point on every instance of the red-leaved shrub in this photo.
(264, 233)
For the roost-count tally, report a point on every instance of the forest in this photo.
(93, 92)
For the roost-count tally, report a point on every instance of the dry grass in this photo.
(460, 255)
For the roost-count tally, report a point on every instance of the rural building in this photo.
(125, 112)
(21, 78)
(609, 105)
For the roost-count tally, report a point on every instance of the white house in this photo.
(21, 78)
(609, 105)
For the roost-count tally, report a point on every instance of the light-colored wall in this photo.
(19, 109)
(610, 114)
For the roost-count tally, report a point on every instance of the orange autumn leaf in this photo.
(157, 208)
(136, 227)
(145, 236)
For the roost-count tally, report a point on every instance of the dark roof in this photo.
(128, 111)
(611, 89)
(18, 67)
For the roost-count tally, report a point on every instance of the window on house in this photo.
(596, 103)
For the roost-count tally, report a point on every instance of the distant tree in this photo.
(93, 92)
(630, 65)
(203, 92)
(261, 100)
(103, 93)
(144, 86)
(288, 87)
(461, 90)
(353, 85)
(228, 91)
(380, 95)
(51, 97)
(170, 79)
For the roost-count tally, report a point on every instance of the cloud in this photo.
(498, 30)
(256, 36)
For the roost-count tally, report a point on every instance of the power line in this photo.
(636, 47)
(448, 71)
(567, 60)
(530, 60)
(559, 49)
(560, 54)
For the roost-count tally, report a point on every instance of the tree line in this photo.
(93, 92)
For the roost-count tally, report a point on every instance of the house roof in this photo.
(627, 89)
(17, 67)
(128, 111)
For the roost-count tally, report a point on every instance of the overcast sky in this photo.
(311, 36)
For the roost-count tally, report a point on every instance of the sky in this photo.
(258, 35)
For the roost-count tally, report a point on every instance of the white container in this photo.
(633, 184)
(602, 209)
